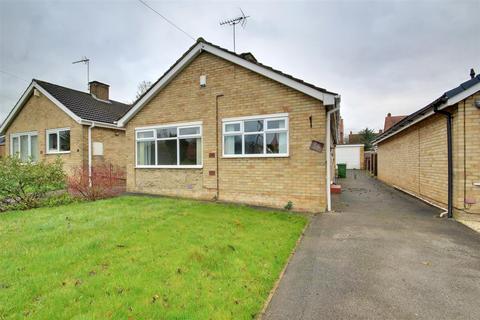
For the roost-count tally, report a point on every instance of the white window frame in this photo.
(20, 134)
(242, 133)
(47, 140)
(179, 137)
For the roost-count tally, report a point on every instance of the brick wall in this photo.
(40, 114)
(416, 159)
(2, 151)
(467, 158)
(299, 178)
(113, 147)
(398, 160)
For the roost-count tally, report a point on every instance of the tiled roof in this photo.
(428, 108)
(84, 105)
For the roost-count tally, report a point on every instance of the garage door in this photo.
(348, 155)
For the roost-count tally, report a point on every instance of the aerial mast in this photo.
(85, 61)
(233, 22)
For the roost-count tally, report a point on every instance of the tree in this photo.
(142, 88)
(366, 137)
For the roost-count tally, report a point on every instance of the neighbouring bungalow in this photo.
(220, 125)
(51, 121)
(434, 153)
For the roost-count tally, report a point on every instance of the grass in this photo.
(142, 258)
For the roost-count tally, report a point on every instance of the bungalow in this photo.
(51, 121)
(221, 125)
(434, 153)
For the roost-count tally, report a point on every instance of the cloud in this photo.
(380, 56)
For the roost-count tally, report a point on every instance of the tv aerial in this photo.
(85, 61)
(242, 20)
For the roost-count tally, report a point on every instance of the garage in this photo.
(350, 154)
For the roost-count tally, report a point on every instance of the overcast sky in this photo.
(381, 56)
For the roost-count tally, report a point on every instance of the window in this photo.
(58, 140)
(169, 146)
(24, 146)
(263, 136)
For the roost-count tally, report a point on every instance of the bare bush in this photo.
(105, 181)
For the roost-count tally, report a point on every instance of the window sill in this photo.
(57, 152)
(170, 167)
(256, 156)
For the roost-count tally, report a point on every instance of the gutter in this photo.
(102, 124)
(328, 151)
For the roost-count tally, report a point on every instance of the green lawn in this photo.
(142, 258)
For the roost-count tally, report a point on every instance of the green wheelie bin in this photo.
(342, 170)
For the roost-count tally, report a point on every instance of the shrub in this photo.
(55, 200)
(24, 184)
(289, 206)
(105, 181)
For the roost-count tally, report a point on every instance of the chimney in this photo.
(99, 90)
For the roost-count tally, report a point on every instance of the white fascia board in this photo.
(461, 96)
(57, 103)
(450, 102)
(60, 105)
(162, 83)
(26, 95)
(16, 108)
(326, 98)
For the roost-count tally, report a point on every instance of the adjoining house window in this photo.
(263, 136)
(58, 140)
(169, 146)
(24, 146)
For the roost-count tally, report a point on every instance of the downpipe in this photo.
(327, 152)
(448, 115)
(217, 139)
(90, 154)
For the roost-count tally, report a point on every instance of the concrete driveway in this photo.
(383, 255)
